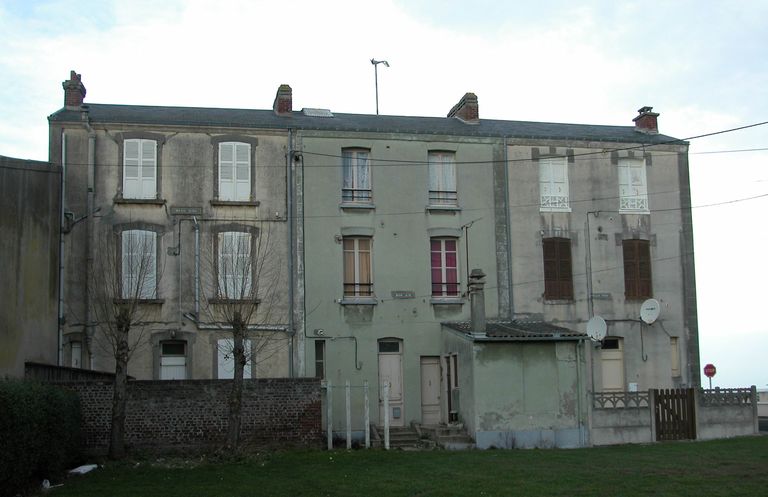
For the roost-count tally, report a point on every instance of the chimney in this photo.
(74, 91)
(283, 105)
(646, 122)
(467, 109)
(477, 300)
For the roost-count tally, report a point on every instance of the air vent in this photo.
(317, 112)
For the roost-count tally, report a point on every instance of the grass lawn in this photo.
(717, 468)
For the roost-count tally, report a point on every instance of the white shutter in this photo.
(226, 361)
(234, 171)
(553, 183)
(242, 171)
(234, 264)
(148, 169)
(173, 368)
(131, 161)
(633, 189)
(139, 169)
(139, 264)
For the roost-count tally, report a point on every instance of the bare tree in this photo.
(243, 284)
(123, 278)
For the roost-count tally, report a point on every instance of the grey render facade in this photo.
(29, 255)
(381, 220)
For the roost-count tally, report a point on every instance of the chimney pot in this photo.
(477, 300)
(74, 91)
(467, 110)
(283, 104)
(646, 121)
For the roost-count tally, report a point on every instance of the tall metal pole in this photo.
(376, 76)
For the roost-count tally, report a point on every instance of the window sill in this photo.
(558, 301)
(219, 300)
(354, 206)
(235, 203)
(630, 211)
(145, 201)
(554, 209)
(447, 301)
(140, 301)
(443, 208)
(358, 301)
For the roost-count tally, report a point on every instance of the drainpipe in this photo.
(197, 267)
(62, 221)
(291, 252)
(89, 233)
(511, 307)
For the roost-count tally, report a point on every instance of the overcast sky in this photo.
(700, 64)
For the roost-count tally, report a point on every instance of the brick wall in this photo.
(192, 414)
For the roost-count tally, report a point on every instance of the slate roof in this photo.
(267, 119)
(518, 330)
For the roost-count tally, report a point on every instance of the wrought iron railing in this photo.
(358, 289)
(356, 195)
(443, 197)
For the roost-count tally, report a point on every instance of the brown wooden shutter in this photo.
(558, 274)
(637, 269)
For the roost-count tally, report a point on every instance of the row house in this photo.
(456, 260)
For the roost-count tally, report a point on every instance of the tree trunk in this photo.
(236, 395)
(117, 430)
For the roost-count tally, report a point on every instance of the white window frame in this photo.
(235, 174)
(235, 269)
(76, 354)
(360, 289)
(444, 292)
(173, 366)
(553, 184)
(357, 182)
(139, 264)
(442, 179)
(633, 186)
(225, 361)
(142, 184)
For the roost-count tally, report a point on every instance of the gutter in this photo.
(62, 221)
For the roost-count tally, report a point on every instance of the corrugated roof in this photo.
(518, 330)
(266, 119)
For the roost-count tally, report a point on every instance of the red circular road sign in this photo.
(710, 370)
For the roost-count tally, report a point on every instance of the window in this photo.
(553, 183)
(173, 360)
(320, 359)
(633, 190)
(357, 176)
(234, 171)
(235, 271)
(674, 351)
(637, 269)
(226, 359)
(442, 179)
(357, 267)
(139, 169)
(139, 264)
(445, 267)
(558, 276)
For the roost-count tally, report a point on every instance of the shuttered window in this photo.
(553, 183)
(139, 264)
(225, 359)
(234, 171)
(558, 274)
(139, 169)
(633, 189)
(637, 269)
(234, 265)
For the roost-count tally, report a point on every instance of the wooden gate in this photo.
(675, 414)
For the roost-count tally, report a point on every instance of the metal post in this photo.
(376, 76)
(349, 414)
(386, 415)
(367, 428)
(328, 399)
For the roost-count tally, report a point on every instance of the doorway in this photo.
(430, 390)
(391, 373)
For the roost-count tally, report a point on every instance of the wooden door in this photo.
(430, 390)
(391, 373)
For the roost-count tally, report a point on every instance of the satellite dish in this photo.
(596, 328)
(649, 311)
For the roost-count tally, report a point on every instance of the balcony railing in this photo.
(443, 197)
(362, 195)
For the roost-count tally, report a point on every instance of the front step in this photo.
(450, 437)
(399, 438)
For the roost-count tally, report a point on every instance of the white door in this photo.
(391, 373)
(612, 359)
(430, 390)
